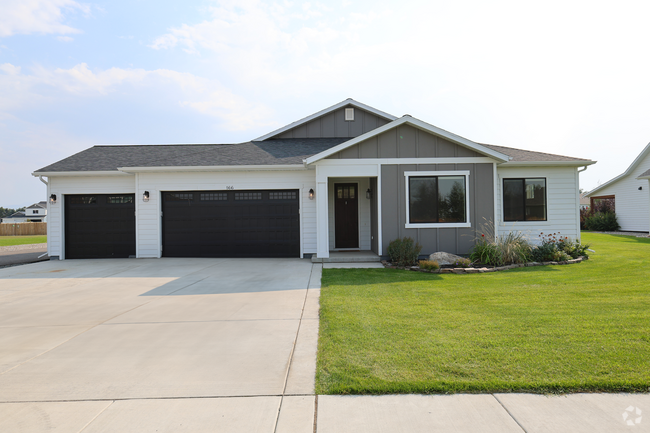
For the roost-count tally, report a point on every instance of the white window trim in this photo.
(408, 174)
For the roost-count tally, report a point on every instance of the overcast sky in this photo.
(566, 77)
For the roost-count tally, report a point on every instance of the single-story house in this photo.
(347, 178)
(631, 194)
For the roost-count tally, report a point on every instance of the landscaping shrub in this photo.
(584, 214)
(558, 248)
(463, 263)
(507, 249)
(486, 252)
(429, 265)
(602, 222)
(404, 252)
(601, 217)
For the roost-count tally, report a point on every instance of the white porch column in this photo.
(322, 217)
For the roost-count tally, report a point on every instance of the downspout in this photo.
(41, 178)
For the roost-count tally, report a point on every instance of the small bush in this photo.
(404, 252)
(507, 249)
(556, 248)
(429, 265)
(486, 252)
(584, 214)
(463, 263)
(602, 222)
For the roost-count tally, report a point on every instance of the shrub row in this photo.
(510, 249)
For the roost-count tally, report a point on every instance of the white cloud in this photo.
(37, 16)
(65, 38)
(184, 90)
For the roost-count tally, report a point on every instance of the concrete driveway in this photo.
(158, 345)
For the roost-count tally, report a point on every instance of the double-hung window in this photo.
(524, 199)
(437, 199)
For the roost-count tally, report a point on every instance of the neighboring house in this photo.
(15, 218)
(585, 203)
(347, 178)
(631, 194)
(37, 212)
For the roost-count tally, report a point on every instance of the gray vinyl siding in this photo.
(451, 240)
(405, 142)
(334, 125)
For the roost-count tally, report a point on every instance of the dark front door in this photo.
(258, 223)
(346, 215)
(99, 226)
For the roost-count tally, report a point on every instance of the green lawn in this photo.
(582, 327)
(21, 240)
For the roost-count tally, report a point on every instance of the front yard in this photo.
(582, 327)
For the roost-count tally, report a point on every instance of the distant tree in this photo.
(5, 212)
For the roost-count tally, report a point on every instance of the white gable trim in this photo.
(169, 169)
(334, 107)
(629, 170)
(500, 157)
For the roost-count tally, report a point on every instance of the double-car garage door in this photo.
(256, 223)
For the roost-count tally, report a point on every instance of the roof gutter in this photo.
(78, 173)
(548, 163)
(41, 178)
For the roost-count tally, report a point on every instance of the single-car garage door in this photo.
(231, 223)
(99, 226)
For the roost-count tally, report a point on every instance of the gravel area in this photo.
(22, 247)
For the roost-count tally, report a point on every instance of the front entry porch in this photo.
(347, 219)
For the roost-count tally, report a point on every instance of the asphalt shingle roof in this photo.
(270, 152)
(645, 173)
(520, 155)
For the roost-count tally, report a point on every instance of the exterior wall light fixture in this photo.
(640, 188)
(368, 194)
(145, 196)
(311, 194)
(52, 198)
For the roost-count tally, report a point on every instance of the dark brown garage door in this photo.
(99, 226)
(231, 223)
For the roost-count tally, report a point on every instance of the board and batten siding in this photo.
(334, 125)
(405, 141)
(562, 202)
(149, 228)
(450, 240)
(62, 186)
(632, 204)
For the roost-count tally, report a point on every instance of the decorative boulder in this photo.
(444, 258)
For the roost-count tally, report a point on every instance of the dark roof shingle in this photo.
(271, 152)
(520, 155)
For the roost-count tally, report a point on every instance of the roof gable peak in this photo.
(345, 103)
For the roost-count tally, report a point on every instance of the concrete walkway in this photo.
(205, 345)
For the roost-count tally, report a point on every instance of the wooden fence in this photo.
(23, 229)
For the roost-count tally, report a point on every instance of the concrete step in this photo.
(348, 257)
